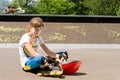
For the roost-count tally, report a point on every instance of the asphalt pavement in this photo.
(97, 64)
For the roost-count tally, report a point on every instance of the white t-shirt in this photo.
(24, 54)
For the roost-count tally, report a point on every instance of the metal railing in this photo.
(60, 18)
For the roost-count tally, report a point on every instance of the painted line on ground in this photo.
(68, 46)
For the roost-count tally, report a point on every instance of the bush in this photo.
(63, 7)
(118, 12)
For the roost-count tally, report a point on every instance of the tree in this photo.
(70, 7)
(62, 7)
(80, 9)
(28, 6)
(118, 12)
(102, 7)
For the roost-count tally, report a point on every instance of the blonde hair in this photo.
(35, 22)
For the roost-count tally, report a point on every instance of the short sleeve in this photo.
(25, 38)
(40, 40)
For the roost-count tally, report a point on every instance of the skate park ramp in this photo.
(65, 33)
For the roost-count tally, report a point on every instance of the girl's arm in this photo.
(31, 51)
(49, 53)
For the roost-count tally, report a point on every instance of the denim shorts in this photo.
(34, 62)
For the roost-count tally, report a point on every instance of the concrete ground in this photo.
(98, 64)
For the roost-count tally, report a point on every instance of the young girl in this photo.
(28, 45)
